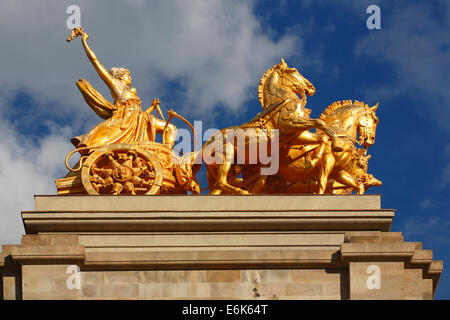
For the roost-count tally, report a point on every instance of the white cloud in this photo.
(426, 203)
(447, 150)
(427, 229)
(445, 176)
(27, 169)
(215, 50)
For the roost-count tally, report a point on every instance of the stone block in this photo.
(317, 275)
(333, 289)
(40, 278)
(412, 274)
(365, 275)
(9, 288)
(275, 275)
(93, 277)
(192, 276)
(223, 275)
(122, 291)
(199, 290)
(89, 291)
(149, 276)
(232, 290)
(167, 276)
(113, 277)
(311, 290)
(163, 290)
(47, 282)
(272, 290)
(207, 202)
(175, 290)
(150, 290)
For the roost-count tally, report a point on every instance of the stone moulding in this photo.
(299, 244)
(307, 220)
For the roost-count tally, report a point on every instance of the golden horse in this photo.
(284, 113)
(347, 167)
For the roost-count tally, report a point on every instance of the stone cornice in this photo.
(120, 221)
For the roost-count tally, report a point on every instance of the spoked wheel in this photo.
(122, 169)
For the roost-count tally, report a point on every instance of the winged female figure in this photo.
(125, 121)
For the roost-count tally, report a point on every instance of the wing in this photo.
(95, 100)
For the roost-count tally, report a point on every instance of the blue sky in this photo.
(205, 58)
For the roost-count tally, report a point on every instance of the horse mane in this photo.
(261, 84)
(340, 104)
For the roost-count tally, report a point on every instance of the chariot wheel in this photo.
(122, 169)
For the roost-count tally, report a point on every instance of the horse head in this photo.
(352, 118)
(280, 76)
(292, 79)
(367, 125)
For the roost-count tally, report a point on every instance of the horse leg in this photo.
(211, 179)
(325, 170)
(347, 179)
(222, 183)
(224, 169)
(325, 147)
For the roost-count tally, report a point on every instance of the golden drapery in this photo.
(125, 121)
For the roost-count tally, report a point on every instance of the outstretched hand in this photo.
(155, 102)
(77, 31)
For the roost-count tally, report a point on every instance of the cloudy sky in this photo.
(205, 58)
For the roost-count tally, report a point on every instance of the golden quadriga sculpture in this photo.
(120, 155)
(327, 160)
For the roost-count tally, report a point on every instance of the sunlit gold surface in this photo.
(125, 119)
(320, 162)
(119, 155)
(122, 169)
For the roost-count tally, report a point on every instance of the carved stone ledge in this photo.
(48, 254)
(381, 248)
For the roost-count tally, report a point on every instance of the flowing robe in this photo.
(125, 121)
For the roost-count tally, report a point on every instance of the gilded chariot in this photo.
(142, 167)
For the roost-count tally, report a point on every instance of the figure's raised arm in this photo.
(101, 70)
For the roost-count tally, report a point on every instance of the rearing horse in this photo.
(283, 110)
